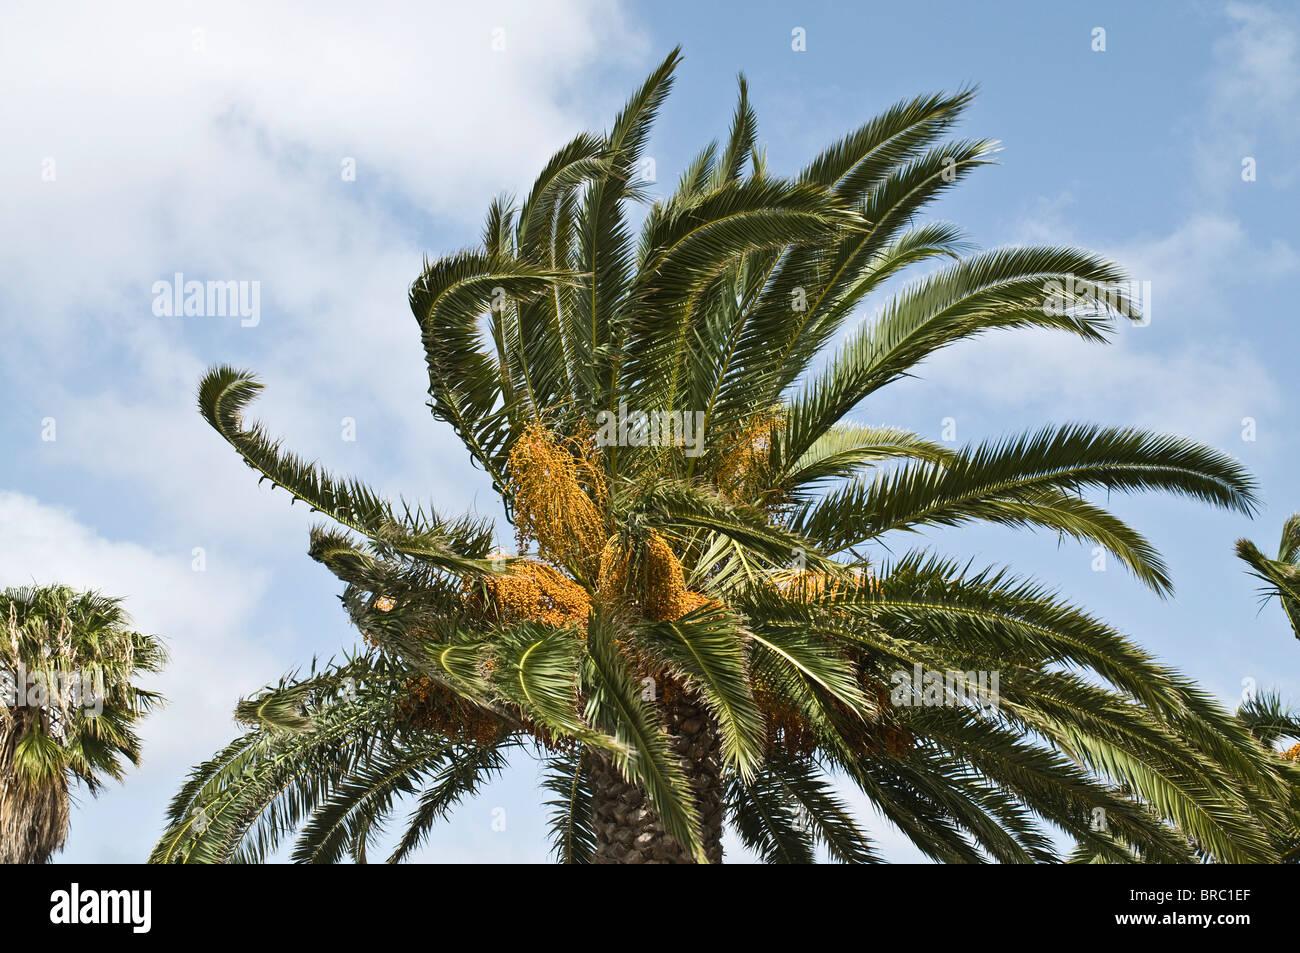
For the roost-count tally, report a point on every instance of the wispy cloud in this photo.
(1253, 106)
(219, 142)
(1195, 368)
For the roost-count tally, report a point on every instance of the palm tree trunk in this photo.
(33, 817)
(627, 829)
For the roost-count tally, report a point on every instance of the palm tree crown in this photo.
(695, 625)
(1281, 575)
(68, 661)
(1266, 715)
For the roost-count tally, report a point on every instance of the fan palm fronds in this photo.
(69, 706)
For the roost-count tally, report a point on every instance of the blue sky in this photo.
(209, 139)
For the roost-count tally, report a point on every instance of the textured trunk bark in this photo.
(627, 829)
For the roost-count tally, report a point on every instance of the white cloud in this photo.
(205, 617)
(209, 141)
(123, 96)
(1198, 391)
(1254, 99)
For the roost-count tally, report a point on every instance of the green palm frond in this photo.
(454, 780)
(459, 545)
(1269, 718)
(707, 649)
(572, 839)
(684, 253)
(1281, 576)
(603, 249)
(847, 449)
(336, 777)
(465, 381)
(71, 664)
(769, 823)
(789, 808)
(615, 703)
(1032, 480)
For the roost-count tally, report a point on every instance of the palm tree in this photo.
(67, 665)
(692, 633)
(1270, 720)
(1267, 717)
(1281, 576)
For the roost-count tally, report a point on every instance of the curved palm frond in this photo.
(1281, 576)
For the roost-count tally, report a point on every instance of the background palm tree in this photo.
(68, 661)
(1272, 721)
(1281, 576)
(691, 638)
(1266, 715)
